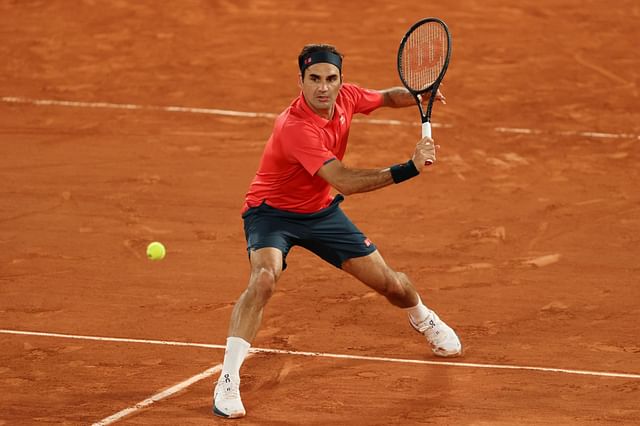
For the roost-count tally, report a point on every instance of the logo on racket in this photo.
(425, 59)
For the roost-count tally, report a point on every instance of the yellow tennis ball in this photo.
(156, 251)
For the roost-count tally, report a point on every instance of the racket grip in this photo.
(426, 131)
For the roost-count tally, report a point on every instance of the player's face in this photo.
(320, 86)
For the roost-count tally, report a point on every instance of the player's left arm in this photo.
(399, 97)
(349, 181)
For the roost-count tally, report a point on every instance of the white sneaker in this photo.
(441, 337)
(226, 398)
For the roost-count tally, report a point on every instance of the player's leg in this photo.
(266, 267)
(338, 241)
(373, 271)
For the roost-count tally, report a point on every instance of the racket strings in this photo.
(424, 55)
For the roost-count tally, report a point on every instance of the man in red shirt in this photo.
(289, 204)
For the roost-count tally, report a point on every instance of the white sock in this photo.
(419, 312)
(234, 355)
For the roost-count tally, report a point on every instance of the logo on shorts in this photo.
(367, 242)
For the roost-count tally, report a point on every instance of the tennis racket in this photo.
(423, 58)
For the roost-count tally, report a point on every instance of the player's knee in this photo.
(402, 277)
(395, 287)
(263, 283)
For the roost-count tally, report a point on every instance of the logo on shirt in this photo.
(342, 119)
(367, 242)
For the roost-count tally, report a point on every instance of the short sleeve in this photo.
(363, 100)
(305, 145)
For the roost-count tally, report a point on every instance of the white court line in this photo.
(109, 105)
(249, 114)
(159, 396)
(338, 356)
(595, 135)
(210, 111)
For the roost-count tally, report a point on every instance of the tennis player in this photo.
(289, 204)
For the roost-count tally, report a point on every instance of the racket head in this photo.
(423, 55)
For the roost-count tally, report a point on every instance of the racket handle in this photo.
(426, 131)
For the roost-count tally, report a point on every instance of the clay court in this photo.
(126, 122)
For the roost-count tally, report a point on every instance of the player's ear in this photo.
(300, 80)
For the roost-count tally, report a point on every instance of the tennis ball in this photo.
(156, 251)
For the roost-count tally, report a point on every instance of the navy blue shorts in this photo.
(328, 233)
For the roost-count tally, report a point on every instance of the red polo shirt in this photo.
(300, 144)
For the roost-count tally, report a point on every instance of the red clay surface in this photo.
(85, 189)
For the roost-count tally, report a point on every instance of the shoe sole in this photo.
(447, 354)
(227, 416)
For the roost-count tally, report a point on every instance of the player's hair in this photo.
(313, 48)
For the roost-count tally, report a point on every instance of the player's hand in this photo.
(439, 97)
(425, 153)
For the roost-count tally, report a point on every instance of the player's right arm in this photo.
(349, 180)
